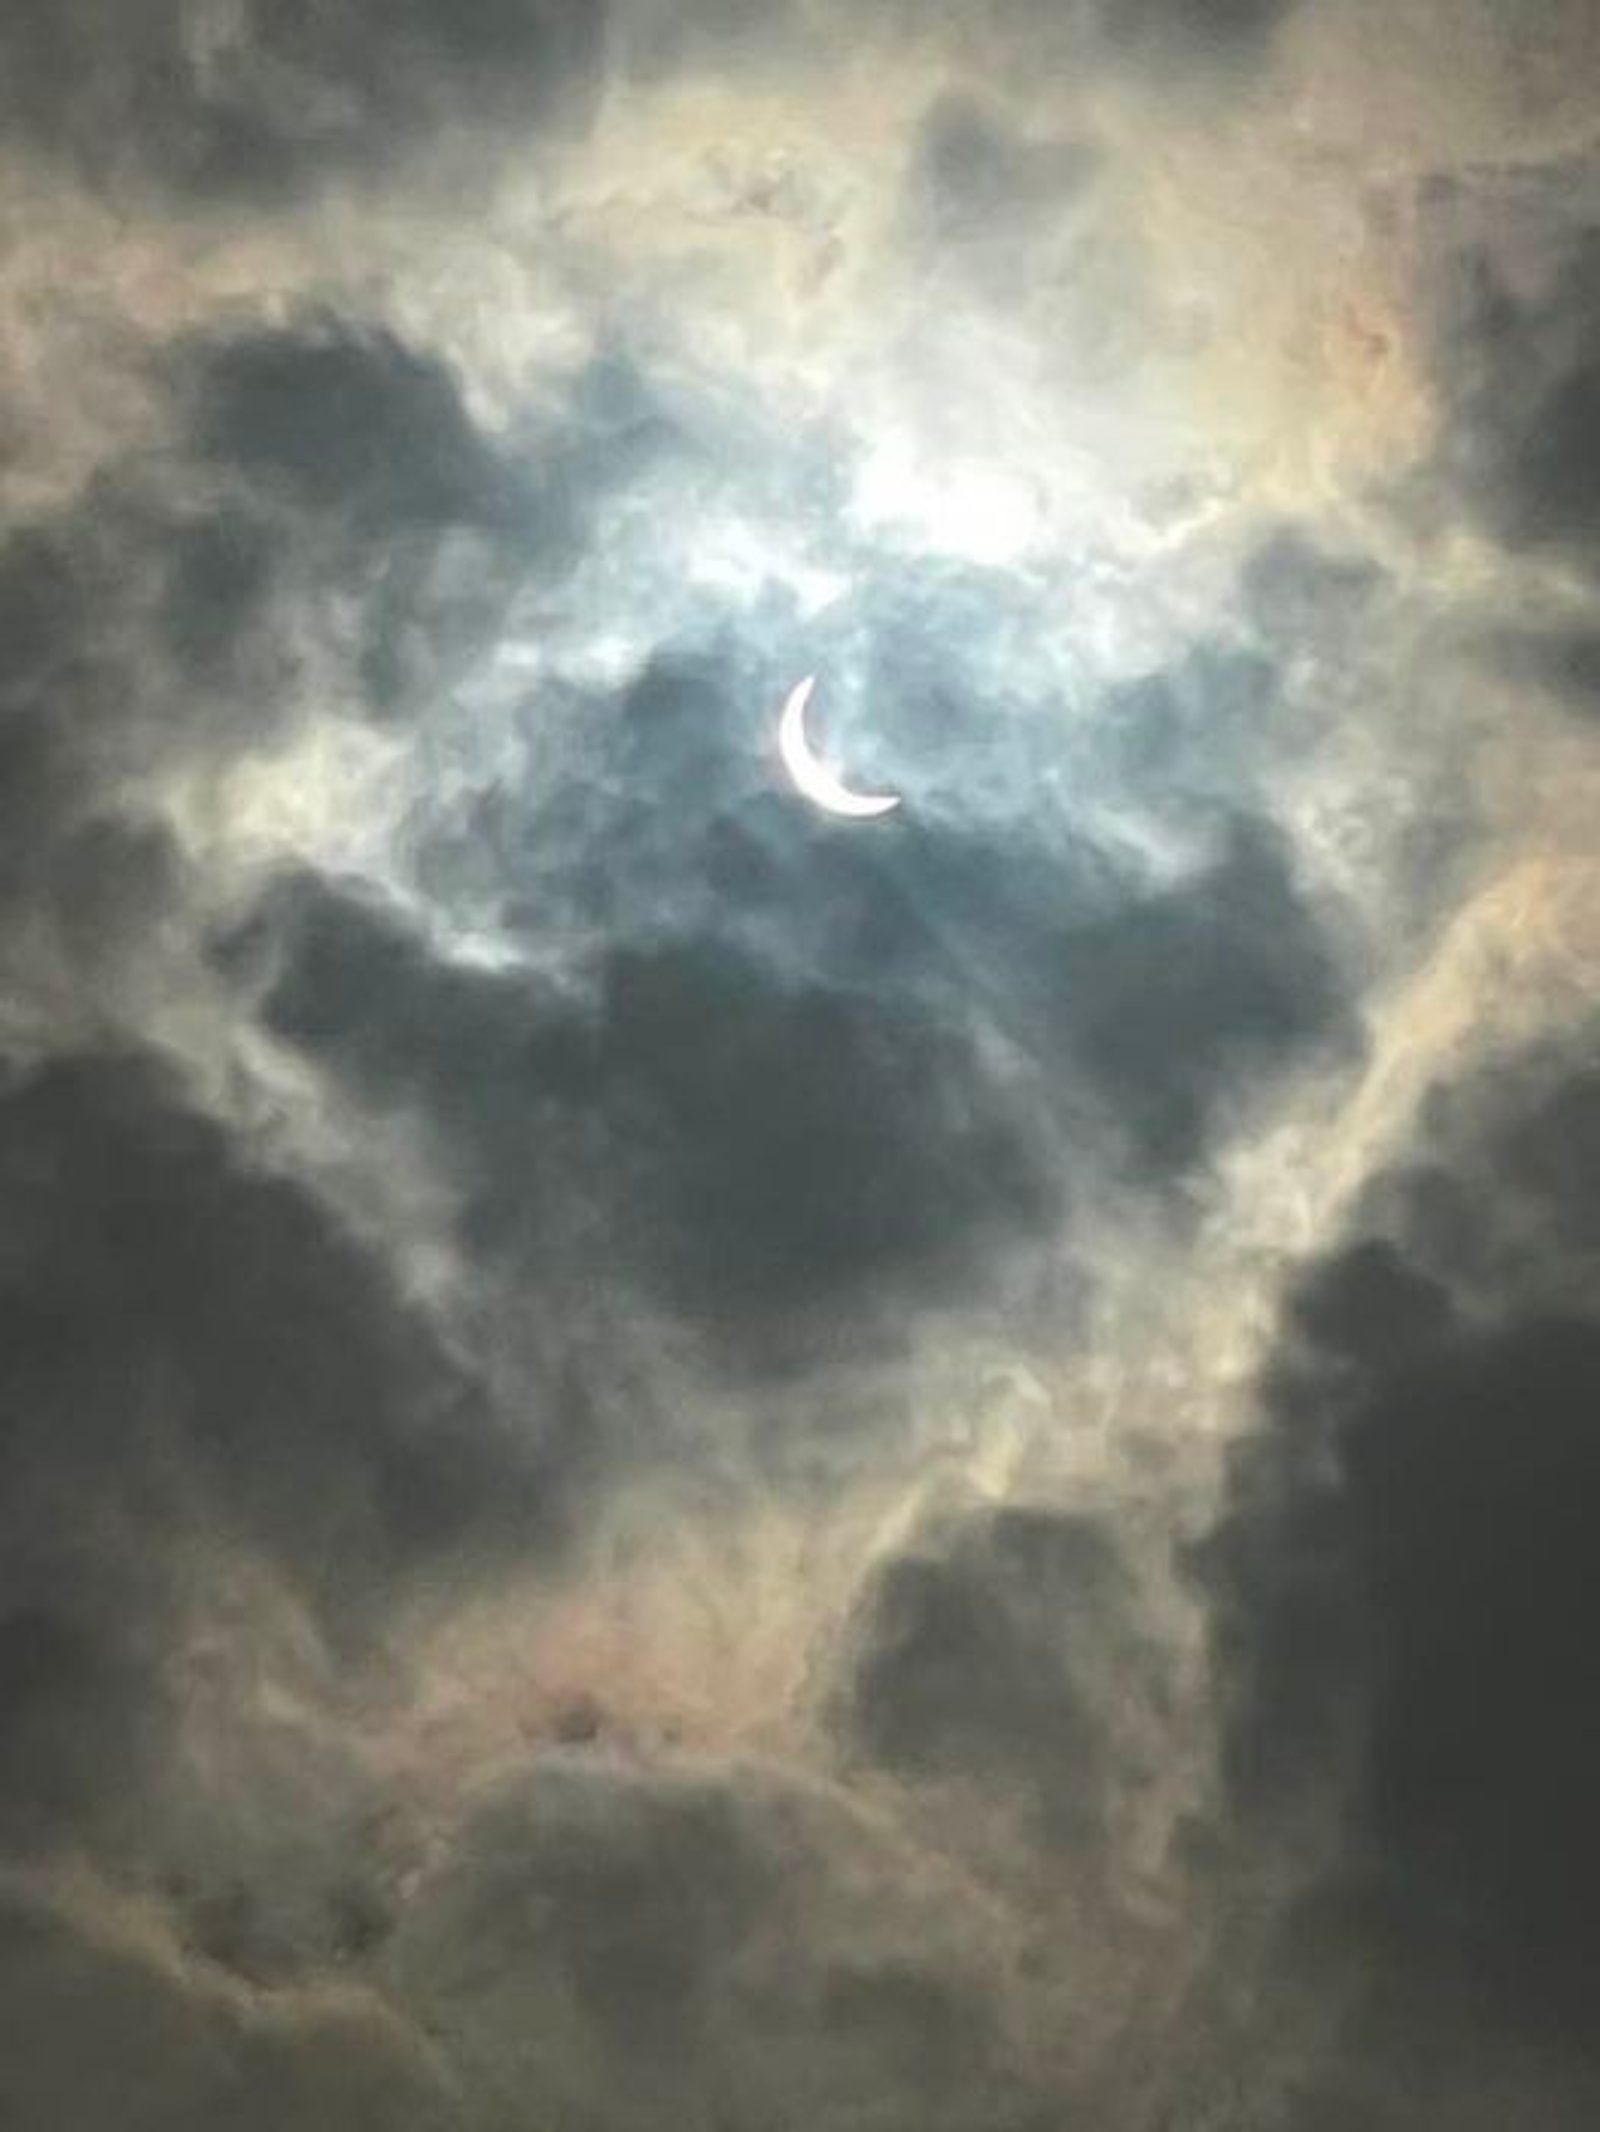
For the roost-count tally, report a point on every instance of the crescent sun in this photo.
(811, 774)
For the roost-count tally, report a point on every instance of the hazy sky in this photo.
(671, 1465)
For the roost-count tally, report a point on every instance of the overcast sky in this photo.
(668, 1462)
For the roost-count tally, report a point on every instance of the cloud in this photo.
(1009, 1652)
(604, 1943)
(177, 2044)
(1236, 27)
(1182, 40)
(252, 105)
(1563, 663)
(163, 1288)
(1521, 371)
(231, 1441)
(756, 1148)
(799, 1084)
(668, 1459)
(360, 427)
(1409, 1568)
(329, 519)
(361, 510)
(972, 176)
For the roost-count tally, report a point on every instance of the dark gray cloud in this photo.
(332, 514)
(973, 175)
(1187, 39)
(162, 1288)
(344, 423)
(178, 2047)
(1523, 369)
(1300, 595)
(757, 1146)
(211, 1389)
(354, 466)
(652, 40)
(1562, 663)
(605, 1944)
(86, 874)
(1008, 1651)
(253, 104)
(1223, 30)
(1195, 42)
(1409, 1558)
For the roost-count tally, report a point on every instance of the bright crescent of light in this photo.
(811, 775)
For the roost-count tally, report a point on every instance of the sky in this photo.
(666, 1461)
